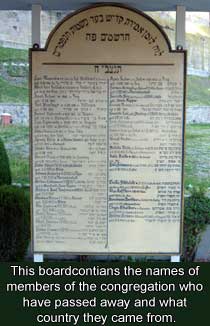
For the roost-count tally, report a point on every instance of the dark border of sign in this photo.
(36, 48)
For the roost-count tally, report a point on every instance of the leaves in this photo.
(197, 215)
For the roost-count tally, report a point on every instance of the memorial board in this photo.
(107, 134)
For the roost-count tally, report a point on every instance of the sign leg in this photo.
(175, 259)
(38, 258)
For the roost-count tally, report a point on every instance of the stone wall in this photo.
(15, 27)
(198, 114)
(19, 112)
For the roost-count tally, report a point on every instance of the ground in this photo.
(198, 91)
(197, 163)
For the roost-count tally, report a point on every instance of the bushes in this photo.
(14, 223)
(14, 214)
(197, 215)
(5, 173)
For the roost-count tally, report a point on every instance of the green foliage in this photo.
(17, 138)
(17, 71)
(12, 94)
(5, 173)
(14, 223)
(13, 55)
(197, 215)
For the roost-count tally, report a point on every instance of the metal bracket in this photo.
(36, 46)
(179, 48)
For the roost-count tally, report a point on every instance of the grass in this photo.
(13, 55)
(12, 94)
(10, 132)
(197, 162)
(198, 91)
(17, 71)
